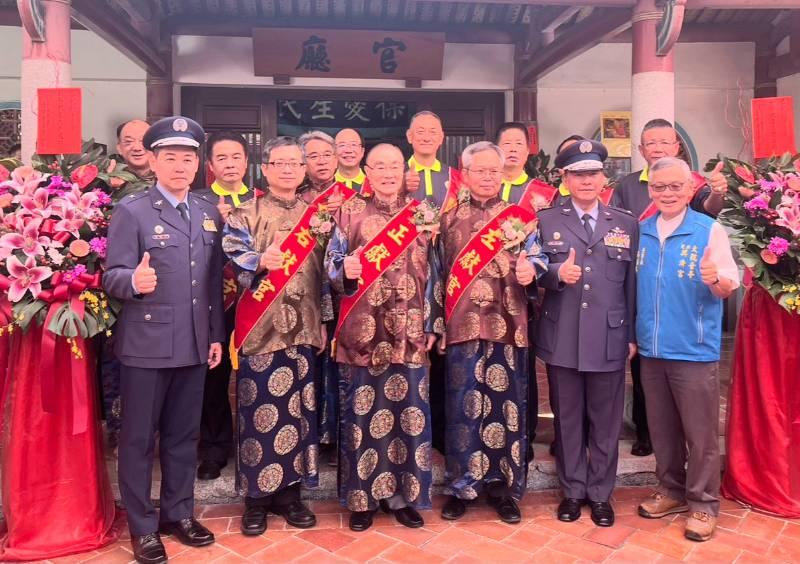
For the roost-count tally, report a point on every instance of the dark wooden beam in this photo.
(574, 41)
(236, 27)
(710, 33)
(764, 86)
(794, 37)
(783, 65)
(140, 47)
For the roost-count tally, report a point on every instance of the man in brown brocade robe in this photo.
(277, 423)
(490, 267)
(380, 259)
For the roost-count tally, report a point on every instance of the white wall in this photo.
(790, 86)
(228, 61)
(113, 86)
(710, 81)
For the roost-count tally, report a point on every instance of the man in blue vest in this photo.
(685, 270)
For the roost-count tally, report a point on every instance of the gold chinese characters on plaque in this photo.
(348, 53)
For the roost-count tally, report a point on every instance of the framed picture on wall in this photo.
(615, 133)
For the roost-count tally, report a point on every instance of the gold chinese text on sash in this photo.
(229, 287)
(254, 304)
(322, 199)
(476, 255)
(380, 253)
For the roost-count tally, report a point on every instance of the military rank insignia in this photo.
(209, 225)
(617, 238)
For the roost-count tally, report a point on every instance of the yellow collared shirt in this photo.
(358, 179)
(220, 191)
(436, 167)
(507, 184)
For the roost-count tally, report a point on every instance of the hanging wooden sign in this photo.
(348, 53)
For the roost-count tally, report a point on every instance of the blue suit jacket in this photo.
(174, 325)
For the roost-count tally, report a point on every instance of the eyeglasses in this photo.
(286, 164)
(384, 168)
(660, 143)
(314, 157)
(345, 146)
(673, 187)
(491, 172)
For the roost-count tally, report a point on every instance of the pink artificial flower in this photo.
(24, 179)
(314, 221)
(26, 277)
(793, 182)
(325, 227)
(37, 204)
(429, 216)
(745, 174)
(81, 204)
(71, 222)
(778, 245)
(28, 241)
(789, 217)
(4, 174)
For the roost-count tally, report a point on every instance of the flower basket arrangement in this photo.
(762, 208)
(53, 225)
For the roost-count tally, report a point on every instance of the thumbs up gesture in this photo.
(224, 209)
(335, 200)
(272, 259)
(352, 264)
(708, 269)
(569, 272)
(524, 270)
(717, 180)
(144, 277)
(412, 181)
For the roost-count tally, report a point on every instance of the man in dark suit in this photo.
(586, 329)
(165, 266)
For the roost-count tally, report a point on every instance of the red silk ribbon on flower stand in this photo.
(57, 498)
(763, 434)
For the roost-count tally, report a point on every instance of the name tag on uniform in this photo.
(555, 243)
(209, 225)
(161, 237)
(617, 238)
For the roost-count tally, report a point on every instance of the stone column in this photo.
(653, 79)
(45, 64)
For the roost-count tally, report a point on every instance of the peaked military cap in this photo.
(582, 155)
(174, 131)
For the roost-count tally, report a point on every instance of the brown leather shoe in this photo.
(658, 505)
(700, 526)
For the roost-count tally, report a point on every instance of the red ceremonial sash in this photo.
(254, 304)
(229, 287)
(379, 253)
(476, 255)
(651, 210)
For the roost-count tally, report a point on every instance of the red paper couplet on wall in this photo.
(59, 121)
(773, 126)
(533, 134)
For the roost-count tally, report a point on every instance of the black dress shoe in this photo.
(408, 517)
(642, 448)
(148, 549)
(570, 509)
(361, 520)
(552, 449)
(296, 514)
(209, 470)
(602, 513)
(507, 509)
(254, 521)
(188, 531)
(453, 509)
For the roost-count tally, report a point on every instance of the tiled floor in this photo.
(742, 536)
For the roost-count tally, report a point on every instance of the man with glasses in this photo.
(379, 261)
(349, 151)
(492, 257)
(586, 330)
(320, 153)
(685, 269)
(279, 332)
(659, 139)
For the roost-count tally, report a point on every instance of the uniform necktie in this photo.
(587, 225)
(184, 211)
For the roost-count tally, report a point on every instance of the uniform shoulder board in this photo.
(134, 197)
